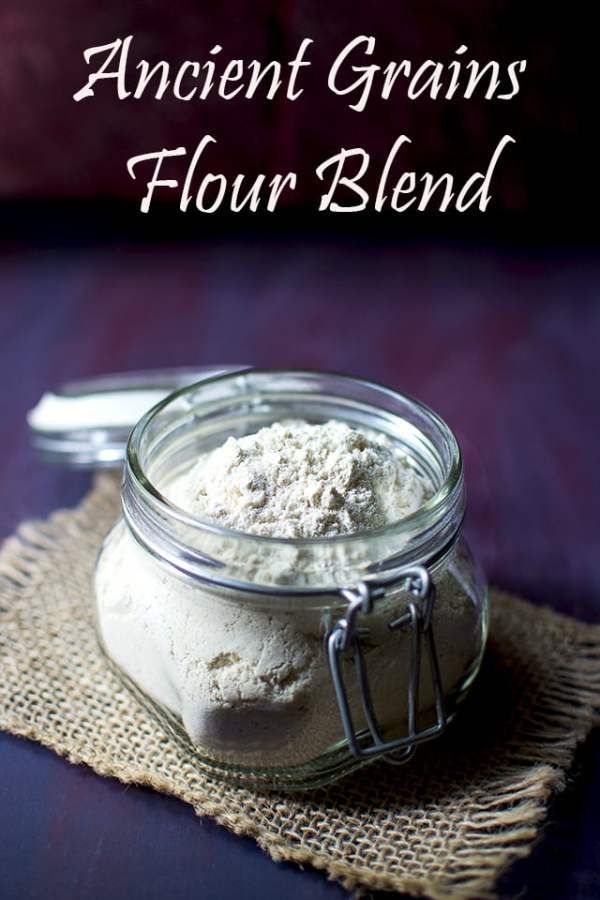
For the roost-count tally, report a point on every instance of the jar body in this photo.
(248, 689)
(244, 647)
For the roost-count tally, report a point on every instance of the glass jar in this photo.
(287, 663)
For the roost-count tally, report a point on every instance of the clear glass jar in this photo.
(281, 663)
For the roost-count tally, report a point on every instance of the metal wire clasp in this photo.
(346, 636)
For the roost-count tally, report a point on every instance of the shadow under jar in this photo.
(287, 663)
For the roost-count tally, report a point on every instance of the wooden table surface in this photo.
(504, 344)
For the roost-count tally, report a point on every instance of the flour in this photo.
(296, 480)
(251, 683)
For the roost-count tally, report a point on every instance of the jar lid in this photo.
(86, 424)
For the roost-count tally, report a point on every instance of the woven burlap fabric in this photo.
(445, 825)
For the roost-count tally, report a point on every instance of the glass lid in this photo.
(86, 424)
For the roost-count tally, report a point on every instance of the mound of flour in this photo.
(296, 480)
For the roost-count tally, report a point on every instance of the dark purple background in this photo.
(504, 343)
(51, 146)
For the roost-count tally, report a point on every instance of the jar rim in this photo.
(426, 515)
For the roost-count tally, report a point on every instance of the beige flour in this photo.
(250, 683)
(296, 480)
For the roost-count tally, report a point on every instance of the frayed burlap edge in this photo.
(499, 831)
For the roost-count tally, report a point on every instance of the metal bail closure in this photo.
(345, 637)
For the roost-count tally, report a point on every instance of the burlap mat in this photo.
(445, 825)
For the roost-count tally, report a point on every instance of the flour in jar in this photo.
(250, 682)
(296, 480)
